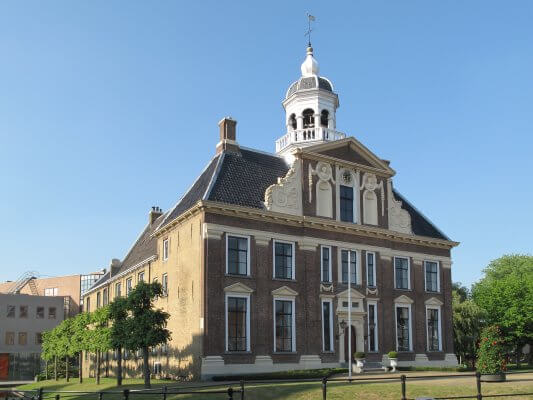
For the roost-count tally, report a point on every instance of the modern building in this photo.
(255, 257)
(70, 287)
(23, 319)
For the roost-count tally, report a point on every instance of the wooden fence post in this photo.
(403, 379)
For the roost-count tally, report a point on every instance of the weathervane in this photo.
(310, 19)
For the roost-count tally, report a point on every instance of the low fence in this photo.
(237, 390)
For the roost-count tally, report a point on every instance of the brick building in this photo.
(256, 257)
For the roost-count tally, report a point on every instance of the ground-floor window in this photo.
(284, 325)
(327, 326)
(433, 328)
(372, 327)
(403, 328)
(237, 323)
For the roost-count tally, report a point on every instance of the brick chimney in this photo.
(228, 136)
(154, 214)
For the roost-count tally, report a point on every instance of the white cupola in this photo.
(310, 105)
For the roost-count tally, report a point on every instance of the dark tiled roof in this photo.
(421, 225)
(242, 179)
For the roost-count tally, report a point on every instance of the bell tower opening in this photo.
(308, 118)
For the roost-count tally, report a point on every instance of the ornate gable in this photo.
(238, 288)
(352, 151)
(284, 291)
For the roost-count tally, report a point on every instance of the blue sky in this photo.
(110, 107)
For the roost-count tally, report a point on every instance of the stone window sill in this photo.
(238, 276)
(284, 279)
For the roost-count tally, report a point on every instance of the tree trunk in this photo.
(146, 368)
(119, 367)
(55, 368)
(80, 366)
(66, 369)
(46, 369)
(107, 364)
(97, 367)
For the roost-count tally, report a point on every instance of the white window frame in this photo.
(130, 287)
(51, 291)
(358, 268)
(293, 332)
(243, 296)
(293, 267)
(376, 336)
(228, 234)
(163, 286)
(438, 308)
(403, 305)
(331, 340)
(166, 249)
(366, 267)
(140, 277)
(329, 266)
(408, 272)
(356, 194)
(438, 276)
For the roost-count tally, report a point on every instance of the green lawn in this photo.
(298, 391)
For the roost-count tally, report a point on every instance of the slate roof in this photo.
(242, 179)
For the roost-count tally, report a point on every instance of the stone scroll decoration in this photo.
(286, 195)
(323, 189)
(370, 199)
(399, 219)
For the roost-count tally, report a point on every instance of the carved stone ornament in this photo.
(326, 288)
(370, 207)
(399, 219)
(324, 191)
(373, 292)
(286, 195)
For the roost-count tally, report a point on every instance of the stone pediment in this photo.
(354, 293)
(238, 288)
(433, 301)
(352, 151)
(284, 291)
(403, 299)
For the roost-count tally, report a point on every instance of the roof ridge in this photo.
(266, 153)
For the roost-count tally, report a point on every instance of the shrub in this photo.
(358, 354)
(491, 351)
(294, 374)
(392, 354)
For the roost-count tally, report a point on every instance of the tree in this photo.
(98, 336)
(462, 291)
(506, 293)
(468, 321)
(49, 348)
(65, 346)
(80, 338)
(146, 325)
(118, 314)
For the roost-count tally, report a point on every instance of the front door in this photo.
(346, 336)
(4, 366)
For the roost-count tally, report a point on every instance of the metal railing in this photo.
(227, 388)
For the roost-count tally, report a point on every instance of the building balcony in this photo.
(307, 137)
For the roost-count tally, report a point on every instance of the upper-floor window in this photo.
(38, 338)
(52, 312)
(324, 117)
(118, 289)
(39, 313)
(292, 121)
(164, 284)
(349, 266)
(10, 338)
(50, 291)
(140, 277)
(238, 255)
(401, 273)
(88, 304)
(105, 297)
(165, 249)
(128, 286)
(23, 312)
(23, 338)
(283, 260)
(346, 203)
(98, 300)
(11, 311)
(370, 269)
(432, 276)
(325, 274)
